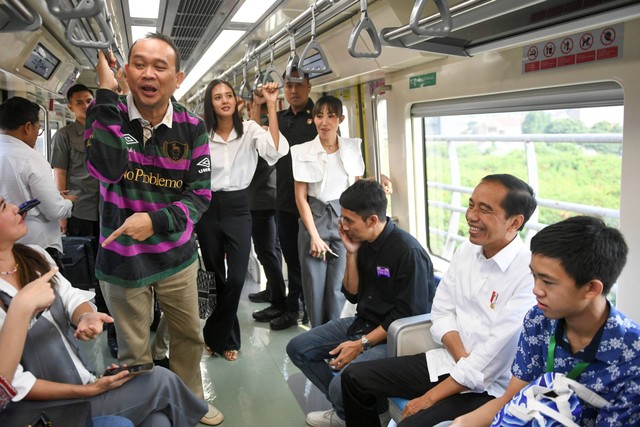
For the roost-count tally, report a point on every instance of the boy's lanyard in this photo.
(573, 373)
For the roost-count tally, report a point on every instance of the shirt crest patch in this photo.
(175, 150)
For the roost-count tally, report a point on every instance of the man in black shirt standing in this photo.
(388, 274)
(296, 124)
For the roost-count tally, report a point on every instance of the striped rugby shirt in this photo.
(168, 177)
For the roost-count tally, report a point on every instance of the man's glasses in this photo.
(40, 128)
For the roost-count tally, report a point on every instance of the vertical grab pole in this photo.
(376, 141)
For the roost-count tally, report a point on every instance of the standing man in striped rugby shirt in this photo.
(151, 156)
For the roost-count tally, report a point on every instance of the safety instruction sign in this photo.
(580, 48)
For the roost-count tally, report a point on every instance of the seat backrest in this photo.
(410, 335)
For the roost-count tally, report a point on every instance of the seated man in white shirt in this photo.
(477, 314)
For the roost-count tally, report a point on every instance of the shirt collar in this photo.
(78, 127)
(589, 353)
(506, 255)
(376, 245)
(307, 110)
(134, 114)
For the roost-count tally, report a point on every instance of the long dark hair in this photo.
(32, 264)
(210, 118)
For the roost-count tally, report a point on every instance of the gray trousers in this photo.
(322, 280)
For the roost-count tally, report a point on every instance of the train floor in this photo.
(262, 387)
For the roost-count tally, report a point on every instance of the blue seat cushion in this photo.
(399, 402)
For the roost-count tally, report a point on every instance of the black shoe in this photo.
(112, 340)
(305, 317)
(262, 296)
(268, 314)
(288, 319)
(162, 362)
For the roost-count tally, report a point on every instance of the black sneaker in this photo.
(262, 296)
(268, 314)
(288, 319)
(305, 317)
(162, 362)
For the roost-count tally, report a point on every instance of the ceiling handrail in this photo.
(272, 72)
(294, 61)
(105, 29)
(365, 24)
(442, 29)
(84, 9)
(22, 17)
(323, 66)
(257, 81)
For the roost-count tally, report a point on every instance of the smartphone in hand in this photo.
(133, 369)
(331, 255)
(27, 206)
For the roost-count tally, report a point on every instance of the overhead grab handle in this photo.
(245, 91)
(320, 66)
(441, 29)
(365, 24)
(84, 9)
(272, 73)
(257, 81)
(105, 29)
(293, 63)
(19, 17)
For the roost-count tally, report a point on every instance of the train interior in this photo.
(440, 92)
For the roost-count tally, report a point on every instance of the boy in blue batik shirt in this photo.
(574, 263)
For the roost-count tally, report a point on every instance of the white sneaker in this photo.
(325, 419)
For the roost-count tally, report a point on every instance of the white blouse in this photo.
(71, 297)
(311, 164)
(234, 162)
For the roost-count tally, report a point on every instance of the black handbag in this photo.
(79, 259)
(76, 414)
(206, 291)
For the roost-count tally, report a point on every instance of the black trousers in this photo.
(224, 232)
(407, 377)
(265, 241)
(288, 235)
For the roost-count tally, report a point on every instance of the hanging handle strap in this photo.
(365, 24)
(272, 73)
(294, 62)
(245, 91)
(442, 29)
(321, 66)
(84, 9)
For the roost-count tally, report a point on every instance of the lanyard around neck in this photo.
(573, 373)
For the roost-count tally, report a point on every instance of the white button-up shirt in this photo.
(234, 162)
(310, 163)
(24, 175)
(485, 301)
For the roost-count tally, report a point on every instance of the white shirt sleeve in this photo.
(264, 143)
(41, 185)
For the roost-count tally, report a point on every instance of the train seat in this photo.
(407, 336)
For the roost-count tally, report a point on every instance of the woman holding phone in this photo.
(322, 169)
(52, 369)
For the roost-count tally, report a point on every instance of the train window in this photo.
(571, 156)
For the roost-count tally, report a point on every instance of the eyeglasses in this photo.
(40, 128)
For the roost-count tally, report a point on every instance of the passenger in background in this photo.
(52, 368)
(322, 169)
(25, 174)
(575, 263)
(152, 159)
(68, 159)
(224, 230)
(388, 274)
(386, 184)
(264, 232)
(477, 315)
(296, 124)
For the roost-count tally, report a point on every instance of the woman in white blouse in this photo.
(224, 231)
(322, 169)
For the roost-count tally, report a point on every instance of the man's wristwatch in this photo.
(366, 344)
